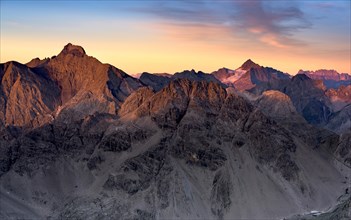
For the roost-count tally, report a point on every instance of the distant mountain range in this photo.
(331, 78)
(84, 140)
(324, 95)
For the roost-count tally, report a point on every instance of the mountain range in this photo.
(80, 139)
(331, 78)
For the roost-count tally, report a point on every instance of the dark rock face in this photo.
(131, 186)
(157, 82)
(271, 144)
(44, 145)
(314, 106)
(316, 112)
(288, 168)
(208, 157)
(142, 214)
(5, 158)
(83, 208)
(29, 155)
(343, 151)
(137, 173)
(267, 140)
(94, 161)
(221, 194)
(116, 142)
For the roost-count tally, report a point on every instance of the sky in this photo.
(172, 36)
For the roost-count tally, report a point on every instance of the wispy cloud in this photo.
(195, 31)
(325, 5)
(273, 23)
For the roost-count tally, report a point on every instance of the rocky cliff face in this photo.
(314, 106)
(340, 97)
(33, 95)
(27, 98)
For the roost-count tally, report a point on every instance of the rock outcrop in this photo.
(27, 97)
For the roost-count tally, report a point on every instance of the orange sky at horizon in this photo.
(161, 58)
(142, 38)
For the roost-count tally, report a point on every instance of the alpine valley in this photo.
(80, 139)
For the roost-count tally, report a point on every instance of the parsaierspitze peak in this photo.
(75, 50)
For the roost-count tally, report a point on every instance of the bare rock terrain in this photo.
(84, 140)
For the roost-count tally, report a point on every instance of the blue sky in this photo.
(168, 36)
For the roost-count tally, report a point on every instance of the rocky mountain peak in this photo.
(300, 77)
(307, 81)
(192, 71)
(223, 74)
(74, 50)
(37, 62)
(249, 64)
(196, 76)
